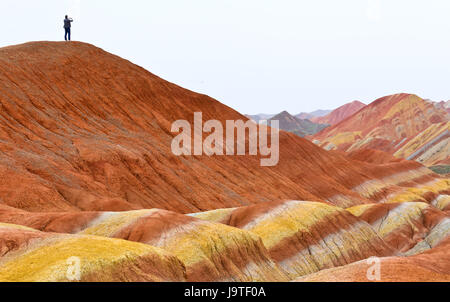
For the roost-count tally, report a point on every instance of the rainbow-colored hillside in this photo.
(403, 125)
(90, 190)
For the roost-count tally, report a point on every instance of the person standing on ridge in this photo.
(67, 26)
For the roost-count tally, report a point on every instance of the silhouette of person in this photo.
(67, 26)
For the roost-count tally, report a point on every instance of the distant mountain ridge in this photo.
(445, 105)
(301, 127)
(311, 115)
(258, 118)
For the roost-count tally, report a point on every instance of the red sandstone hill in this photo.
(81, 129)
(339, 114)
(403, 124)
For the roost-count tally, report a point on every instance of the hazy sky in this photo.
(261, 55)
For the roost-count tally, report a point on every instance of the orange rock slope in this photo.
(87, 171)
(403, 124)
(81, 129)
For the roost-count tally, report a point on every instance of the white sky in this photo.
(261, 55)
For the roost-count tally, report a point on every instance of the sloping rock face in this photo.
(305, 237)
(209, 251)
(28, 255)
(403, 225)
(339, 114)
(429, 147)
(431, 266)
(442, 202)
(373, 156)
(402, 124)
